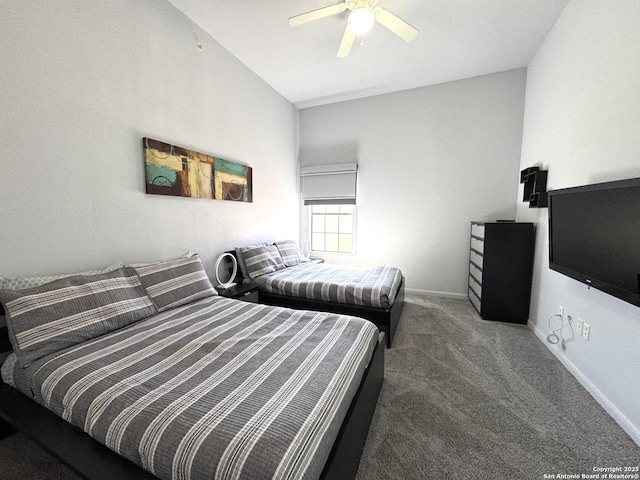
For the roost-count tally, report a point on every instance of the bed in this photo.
(286, 278)
(182, 383)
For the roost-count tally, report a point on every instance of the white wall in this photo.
(582, 122)
(82, 81)
(430, 160)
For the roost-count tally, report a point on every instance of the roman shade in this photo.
(326, 184)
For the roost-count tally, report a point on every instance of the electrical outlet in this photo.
(579, 326)
(586, 330)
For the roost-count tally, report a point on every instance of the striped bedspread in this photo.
(372, 287)
(216, 389)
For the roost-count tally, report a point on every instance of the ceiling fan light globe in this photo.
(361, 20)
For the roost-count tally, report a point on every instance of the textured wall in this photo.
(430, 160)
(582, 119)
(82, 82)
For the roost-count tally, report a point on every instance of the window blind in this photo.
(329, 184)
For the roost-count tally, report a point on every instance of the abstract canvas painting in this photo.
(180, 172)
(231, 181)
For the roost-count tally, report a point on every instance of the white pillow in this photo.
(20, 283)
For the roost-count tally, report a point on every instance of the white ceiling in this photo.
(458, 39)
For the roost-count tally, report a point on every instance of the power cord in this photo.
(553, 337)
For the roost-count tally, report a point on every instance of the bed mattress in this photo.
(371, 287)
(218, 389)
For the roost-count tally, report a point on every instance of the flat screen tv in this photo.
(594, 236)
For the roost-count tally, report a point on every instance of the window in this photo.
(329, 195)
(332, 228)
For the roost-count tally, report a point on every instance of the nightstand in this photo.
(247, 292)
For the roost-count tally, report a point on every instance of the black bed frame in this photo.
(93, 461)
(386, 319)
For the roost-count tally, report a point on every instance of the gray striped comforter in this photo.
(217, 389)
(372, 287)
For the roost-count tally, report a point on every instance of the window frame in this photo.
(352, 233)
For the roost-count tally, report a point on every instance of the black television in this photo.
(594, 236)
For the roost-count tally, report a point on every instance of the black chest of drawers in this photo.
(500, 270)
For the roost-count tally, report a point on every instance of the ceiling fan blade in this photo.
(346, 43)
(395, 24)
(317, 14)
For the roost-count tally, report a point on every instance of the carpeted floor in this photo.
(463, 398)
(22, 459)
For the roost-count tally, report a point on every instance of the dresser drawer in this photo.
(477, 244)
(474, 300)
(476, 259)
(477, 230)
(475, 286)
(475, 272)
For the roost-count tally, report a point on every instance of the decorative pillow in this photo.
(29, 282)
(262, 260)
(291, 253)
(176, 282)
(65, 312)
(242, 265)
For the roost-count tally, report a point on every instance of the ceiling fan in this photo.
(364, 13)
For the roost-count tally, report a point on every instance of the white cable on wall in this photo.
(553, 337)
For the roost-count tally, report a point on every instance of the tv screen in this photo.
(594, 236)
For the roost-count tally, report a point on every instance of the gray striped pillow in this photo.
(65, 312)
(261, 260)
(176, 282)
(291, 253)
(18, 283)
(241, 264)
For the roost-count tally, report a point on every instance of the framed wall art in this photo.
(180, 172)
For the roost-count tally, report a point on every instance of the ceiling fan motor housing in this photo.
(361, 20)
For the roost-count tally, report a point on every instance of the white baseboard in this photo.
(632, 430)
(414, 291)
